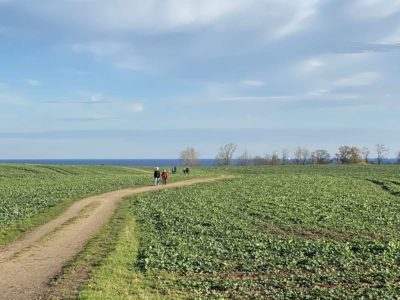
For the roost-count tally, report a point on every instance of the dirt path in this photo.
(27, 265)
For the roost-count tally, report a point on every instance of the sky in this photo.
(147, 78)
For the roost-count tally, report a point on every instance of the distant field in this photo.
(32, 194)
(26, 190)
(272, 232)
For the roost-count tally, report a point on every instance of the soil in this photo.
(29, 264)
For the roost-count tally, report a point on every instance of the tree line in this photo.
(301, 156)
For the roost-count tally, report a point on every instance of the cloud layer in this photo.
(173, 64)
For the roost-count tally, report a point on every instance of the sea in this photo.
(108, 162)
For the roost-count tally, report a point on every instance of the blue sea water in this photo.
(108, 162)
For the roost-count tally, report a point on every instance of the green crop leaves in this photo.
(27, 190)
(282, 235)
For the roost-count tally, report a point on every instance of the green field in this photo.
(272, 232)
(31, 195)
(275, 232)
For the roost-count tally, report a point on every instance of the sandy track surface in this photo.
(27, 265)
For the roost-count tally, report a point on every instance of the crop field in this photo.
(27, 191)
(270, 233)
(41, 191)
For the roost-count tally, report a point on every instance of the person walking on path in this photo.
(157, 176)
(164, 176)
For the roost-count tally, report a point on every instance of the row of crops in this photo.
(28, 190)
(295, 232)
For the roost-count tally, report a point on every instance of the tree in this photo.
(224, 157)
(189, 157)
(365, 152)
(305, 155)
(301, 155)
(381, 152)
(398, 157)
(285, 156)
(297, 155)
(244, 159)
(320, 157)
(259, 161)
(349, 155)
(343, 155)
(273, 159)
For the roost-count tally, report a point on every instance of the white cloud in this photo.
(279, 18)
(235, 99)
(393, 38)
(254, 98)
(88, 102)
(254, 83)
(136, 107)
(119, 54)
(374, 8)
(358, 80)
(33, 82)
(165, 36)
(311, 64)
(96, 97)
(99, 48)
(303, 12)
(7, 97)
(319, 92)
(124, 15)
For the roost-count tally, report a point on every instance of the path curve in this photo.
(27, 265)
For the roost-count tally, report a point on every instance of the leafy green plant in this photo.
(281, 232)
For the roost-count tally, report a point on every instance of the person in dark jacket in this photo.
(157, 176)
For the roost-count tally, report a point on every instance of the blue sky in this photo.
(145, 79)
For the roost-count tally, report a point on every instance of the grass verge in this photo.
(105, 268)
(117, 277)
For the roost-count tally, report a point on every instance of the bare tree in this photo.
(381, 152)
(272, 159)
(224, 157)
(305, 156)
(259, 161)
(189, 157)
(244, 159)
(320, 157)
(342, 156)
(302, 155)
(365, 152)
(297, 155)
(349, 155)
(285, 156)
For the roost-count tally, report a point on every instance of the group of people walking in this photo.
(157, 175)
(164, 175)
